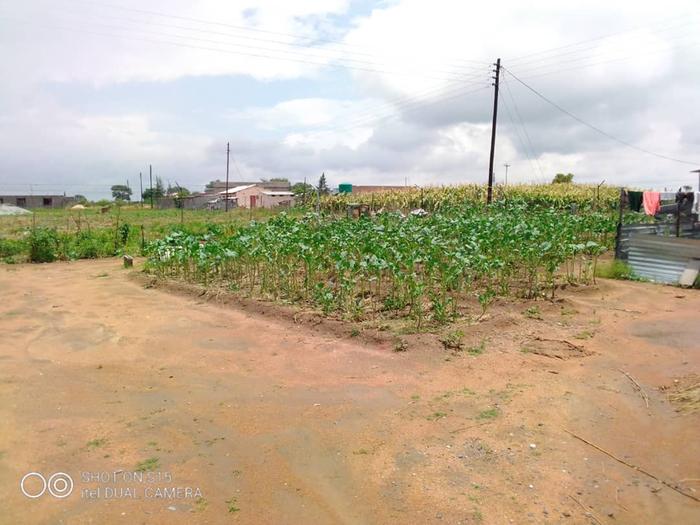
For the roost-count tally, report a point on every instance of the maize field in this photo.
(581, 196)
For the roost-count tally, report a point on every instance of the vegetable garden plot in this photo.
(428, 268)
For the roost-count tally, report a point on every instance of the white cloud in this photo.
(412, 120)
(74, 40)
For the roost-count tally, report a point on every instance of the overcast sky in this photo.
(383, 92)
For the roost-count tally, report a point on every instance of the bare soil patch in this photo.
(278, 421)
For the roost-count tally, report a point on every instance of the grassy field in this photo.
(89, 233)
(154, 221)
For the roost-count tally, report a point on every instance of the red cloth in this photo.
(652, 202)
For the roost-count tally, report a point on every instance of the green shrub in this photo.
(88, 244)
(615, 269)
(12, 247)
(124, 230)
(43, 245)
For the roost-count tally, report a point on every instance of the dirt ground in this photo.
(273, 422)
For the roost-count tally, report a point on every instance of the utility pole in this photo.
(141, 188)
(150, 177)
(228, 150)
(507, 166)
(489, 192)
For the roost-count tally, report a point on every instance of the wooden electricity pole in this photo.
(489, 191)
(228, 151)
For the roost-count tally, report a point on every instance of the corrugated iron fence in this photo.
(664, 229)
(660, 258)
(660, 251)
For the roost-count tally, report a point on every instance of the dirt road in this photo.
(229, 417)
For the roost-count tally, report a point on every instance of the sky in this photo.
(367, 92)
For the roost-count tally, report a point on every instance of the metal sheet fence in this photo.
(662, 229)
(660, 258)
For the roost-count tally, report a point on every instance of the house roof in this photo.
(237, 189)
(278, 193)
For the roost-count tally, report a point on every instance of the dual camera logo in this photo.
(34, 485)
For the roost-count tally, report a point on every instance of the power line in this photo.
(240, 28)
(520, 138)
(306, 52)
(403, 104)
(558, 70)
(597, 129)
(231, 52)
(334, 52)
(595, 39)
(536, 161)
(557, 64)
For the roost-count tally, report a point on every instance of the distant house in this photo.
(256, 196)
(38, 201)
(198, 201)
(272, 198)
(217, 186)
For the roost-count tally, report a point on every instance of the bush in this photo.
(123, 232)
(88, 244)
(43, 245)
(615, 269)
(11, 247)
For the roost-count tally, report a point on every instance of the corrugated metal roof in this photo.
(237, 189)
(661, 259)
(278, 193)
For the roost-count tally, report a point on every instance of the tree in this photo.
(322, 185)
(81, 199)
(158, 191)
(561, 178)
(121, 192)
(276, 179)
(179, 193)
(301, 188)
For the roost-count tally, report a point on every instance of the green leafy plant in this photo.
(232, 505)
(428, 269)
(147, 464)
(453, 340)
(43, 245)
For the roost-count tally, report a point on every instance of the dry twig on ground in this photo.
(634, 467)
(637, 386)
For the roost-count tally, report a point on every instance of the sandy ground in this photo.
(274, 423)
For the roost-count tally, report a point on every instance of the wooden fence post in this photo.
(618, 234)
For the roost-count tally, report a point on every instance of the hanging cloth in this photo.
(652, 202)
(635, 198)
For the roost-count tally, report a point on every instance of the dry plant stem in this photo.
(634, 467)
(638, 387)
(587, 511)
